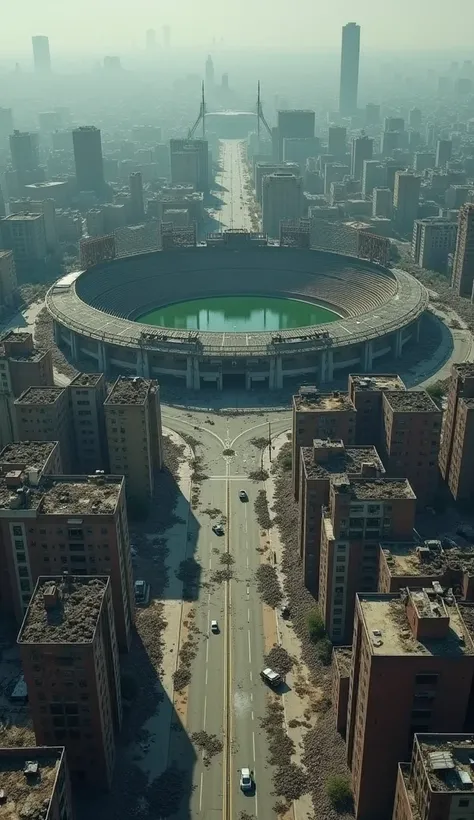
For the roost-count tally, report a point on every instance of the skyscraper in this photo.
(88, 159)
(151, 40)
(24, 149)
(362, 149)
(463, 266)
(166, 36)
(349, 69)
(136, 197)
(209, 72)
(41, 55)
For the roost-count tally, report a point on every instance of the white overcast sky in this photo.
(93, 26)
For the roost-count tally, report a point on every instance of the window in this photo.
(463, 803)
(76, 534)
(17, 531)
(427, 679)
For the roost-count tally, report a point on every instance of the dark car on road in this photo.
(243, 496)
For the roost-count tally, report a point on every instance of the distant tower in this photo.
(136, 197)
(41, 55)
(209, 72)
(349, 69)
(225, 81)
(151, 40)
(88, 159)
(166, 36)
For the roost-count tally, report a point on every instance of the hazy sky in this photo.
(94, 26)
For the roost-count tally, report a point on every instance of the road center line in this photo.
(250, 650)
(200, 791)
(253, 746)
(248, 616)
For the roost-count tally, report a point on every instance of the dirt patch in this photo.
(268, 585)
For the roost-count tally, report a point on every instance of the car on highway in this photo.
(285, 610)
(243, 496)
(218, 529)
(246, 782)
(215, 627)
(271, 677)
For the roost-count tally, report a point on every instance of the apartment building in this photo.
(21, 365)
(25, 235)
(74, 524)
(361, 512)
(320, 416)
(319, 465)
(8, 281)
(341, 672)
(411, 672)
(456, 456)
(426, 564)
(41, 457)
(87, 393)
(35, 783)
(366, 392)
(70, 662)
(43, 414)
(133, 424)
(463, 264)
(412, 435)
(439, 781)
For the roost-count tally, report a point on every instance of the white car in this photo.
(246, 782)
(215, 627)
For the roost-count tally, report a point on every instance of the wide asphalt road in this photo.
(226, 692)
(234, 212)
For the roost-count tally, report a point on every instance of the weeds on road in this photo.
(261, 510)
(259, 475)
(268, 585)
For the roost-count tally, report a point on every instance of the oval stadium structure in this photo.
(94, 313)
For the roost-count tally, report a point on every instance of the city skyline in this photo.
(190, 25)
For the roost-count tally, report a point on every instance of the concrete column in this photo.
(143, 366)
(368, 356)
(329, 365)
(220, 381)
(271, 375)
(57, 333)
(278, 373)
(248, 381)
(74, 346)
(102, 358)
(418, 330)
(398, 344)
(196, 376)
(189, 373)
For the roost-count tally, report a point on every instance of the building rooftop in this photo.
(341, 461)
(23, 216)
(19, 336)
(410, 401)
(129, 390)
(448, 761)
(28, 779)
(465, 370)
(40, 395)
(5, 253)
(86, 379)
(389, 632)
(64, 610)
(362, 489)
(408, 558)
(27, 453)
(377, 381)
(343, 658)
(62, 495)
(310, 399)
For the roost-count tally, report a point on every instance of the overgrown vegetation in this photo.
(258, 475)
(261, 510)
(339, 792)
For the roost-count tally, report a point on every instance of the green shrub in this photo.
(324, 650)
(316, 627)
(339, 792)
